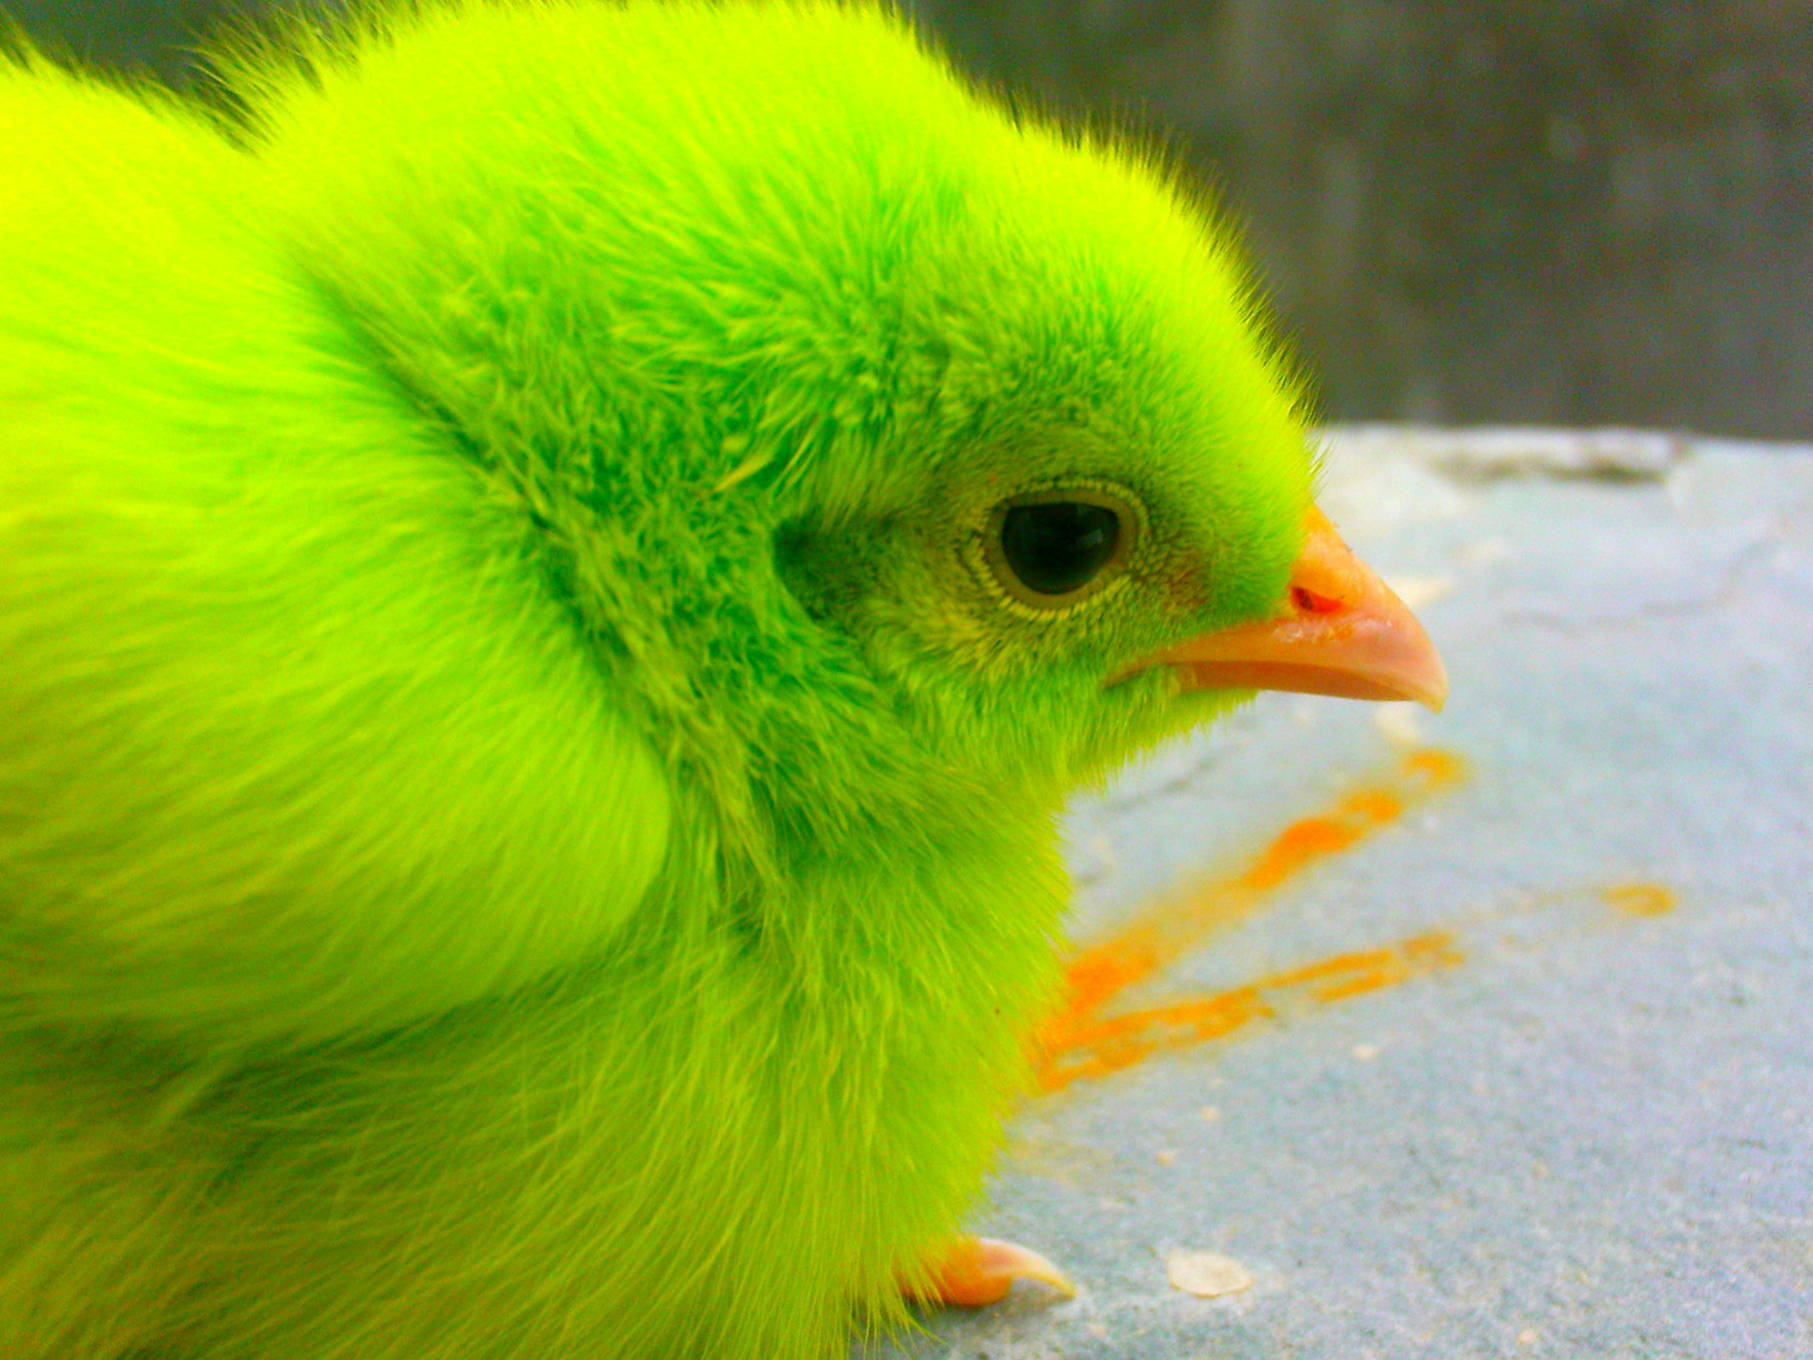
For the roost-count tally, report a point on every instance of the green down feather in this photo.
(527, 775)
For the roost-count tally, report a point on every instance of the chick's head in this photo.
(875, 431)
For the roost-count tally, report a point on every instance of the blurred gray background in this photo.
(1577, 212)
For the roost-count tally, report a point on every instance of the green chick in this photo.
(557, 565)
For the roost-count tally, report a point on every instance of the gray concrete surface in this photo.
(1546, 1086)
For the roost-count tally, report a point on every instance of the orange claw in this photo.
(977, 1271)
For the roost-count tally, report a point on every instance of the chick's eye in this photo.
(1050, 550)
(1059, 548)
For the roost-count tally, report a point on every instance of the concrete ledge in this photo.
(1480, 1035)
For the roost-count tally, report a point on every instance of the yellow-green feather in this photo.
(524, 831)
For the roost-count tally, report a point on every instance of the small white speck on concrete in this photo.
(1366, 1052)
(1486, 552)
(1206, 1275)
(1165, 1156)
(1402, 724)
(1210, 1113)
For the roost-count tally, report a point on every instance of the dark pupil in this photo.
(1059, 546)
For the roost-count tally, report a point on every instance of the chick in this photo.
(554, 574)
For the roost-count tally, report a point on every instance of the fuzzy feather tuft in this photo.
(526, 812)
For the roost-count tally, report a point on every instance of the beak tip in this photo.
(1431, 691)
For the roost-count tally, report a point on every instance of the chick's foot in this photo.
(974, 1272)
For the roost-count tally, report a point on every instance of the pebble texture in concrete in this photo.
(1480, 1035)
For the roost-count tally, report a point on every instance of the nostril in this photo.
(1308, 602)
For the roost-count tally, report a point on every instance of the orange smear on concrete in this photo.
(1077, 1042)
(1112, 1045)
(1639, 899)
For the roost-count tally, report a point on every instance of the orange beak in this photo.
(1342, 632)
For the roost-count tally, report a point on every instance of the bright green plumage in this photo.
(526, 811)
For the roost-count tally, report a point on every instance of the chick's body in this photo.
(526, 806)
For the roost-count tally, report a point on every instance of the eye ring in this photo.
(1050, 550)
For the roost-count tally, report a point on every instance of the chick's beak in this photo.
(1342, 631)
